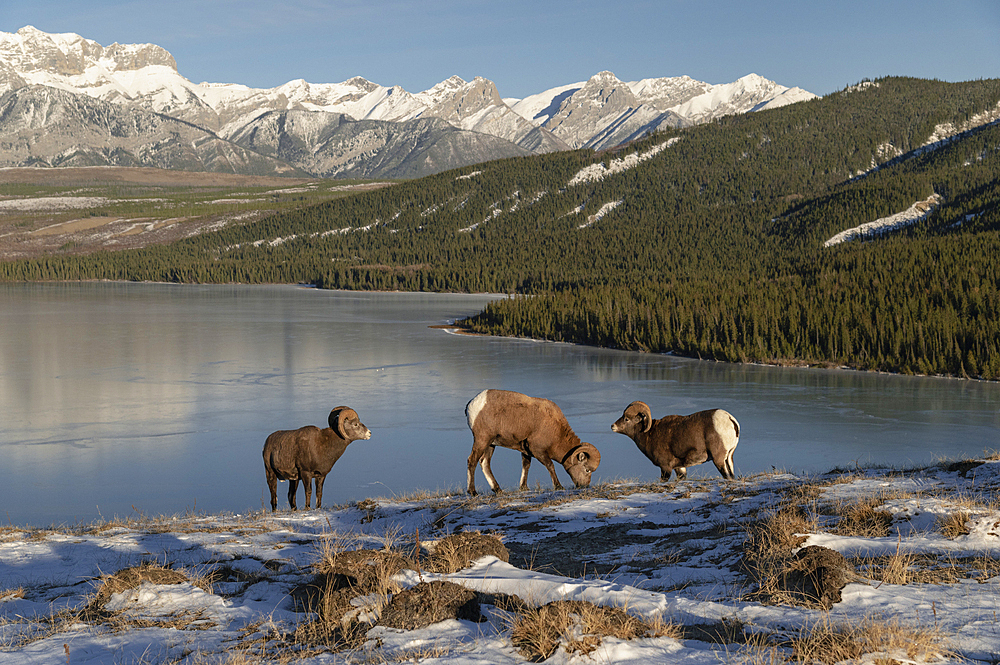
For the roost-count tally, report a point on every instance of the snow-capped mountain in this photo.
(605, 111)
(335, 145)
(601, 112)
(45, 126)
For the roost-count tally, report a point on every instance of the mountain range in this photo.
(68, 101)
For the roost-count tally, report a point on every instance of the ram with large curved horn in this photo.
(674, 443)
(309, 452)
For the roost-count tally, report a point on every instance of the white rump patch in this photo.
(723, 422)
(475, 406)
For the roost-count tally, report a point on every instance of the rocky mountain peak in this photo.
(601, 112)
(68, 54)
(130, 57)
(361, 83)
(465, 100)
(605, 89)
(442, 90)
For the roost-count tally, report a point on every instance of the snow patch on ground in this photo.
(598, 172)
(916, 212)
(53, 203)
(597, 216)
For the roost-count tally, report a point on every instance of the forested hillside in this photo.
(706, 242)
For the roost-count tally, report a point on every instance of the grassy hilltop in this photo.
(624, 572)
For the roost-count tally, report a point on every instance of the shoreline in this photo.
(790, 363)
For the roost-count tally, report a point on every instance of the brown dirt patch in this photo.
(75, 225)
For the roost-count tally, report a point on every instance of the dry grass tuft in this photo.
(954, 525)
(342, 575)
(892, 569)
(579, 626)
(769, 543)
(243, 656)
(826, 642)
(862, 518)
(458, 551)
(29, 629)
(93, 610)
(130, 578)
(987, 566)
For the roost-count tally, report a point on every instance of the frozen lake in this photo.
(119, 399)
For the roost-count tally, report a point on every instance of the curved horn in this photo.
(645, 411)
(337, 418)
(590, 450)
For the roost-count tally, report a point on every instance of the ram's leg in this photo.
(730, 469)
(293, 487)
(552, 472)
(725, 467)
(307, 482)
(479, 447)
(525, 463)
(272, 486)
(488, 471)
(319, 489)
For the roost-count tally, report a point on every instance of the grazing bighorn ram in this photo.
(674, 443)
(533, 426)
(309, 452)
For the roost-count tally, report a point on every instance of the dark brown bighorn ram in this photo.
(674, 443)
(533, 426)
(309, 452)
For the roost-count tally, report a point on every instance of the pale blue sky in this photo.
(529, 46)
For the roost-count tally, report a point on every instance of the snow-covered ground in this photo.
(53, 203)
(660, 552)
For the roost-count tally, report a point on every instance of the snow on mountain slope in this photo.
(605, 111)
(750, 93)
(666, 93)
(539, 108)
(600, 112)
(788, 96)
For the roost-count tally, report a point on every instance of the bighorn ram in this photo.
(674, 443)
(309, 452)
(536, 427)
